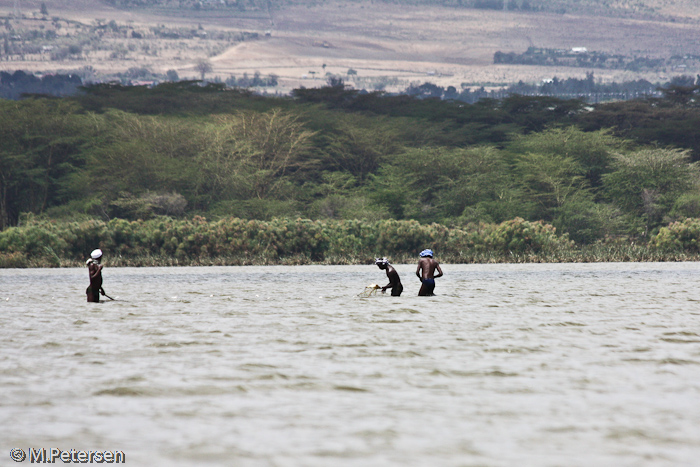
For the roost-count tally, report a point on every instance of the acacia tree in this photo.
(560, 170)
(248, 154)
(448, 184)
(592, 150)
(359, 147)
(647, 182)
(551, 180)
(203, 67)
(40, 147)
(138, 154)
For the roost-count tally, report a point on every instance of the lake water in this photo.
(527, 365)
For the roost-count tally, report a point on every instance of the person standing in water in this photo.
(394, 281)
(95, 269)
(426, 273)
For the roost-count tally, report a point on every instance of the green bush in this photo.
(13, 260)
(687, 205)
(187, 241)
(521, 236)
(678, 236)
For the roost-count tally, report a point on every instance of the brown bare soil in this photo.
(383, 43)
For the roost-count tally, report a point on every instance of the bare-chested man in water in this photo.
(95, 269)
(426, 273)
(394, 281)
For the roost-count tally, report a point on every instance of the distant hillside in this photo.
(659, 9)
(370, 44)
(689, 9)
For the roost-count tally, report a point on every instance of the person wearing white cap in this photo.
(394, 281)
(426, 273)
(95, 269)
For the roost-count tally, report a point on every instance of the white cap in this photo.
(96, 254)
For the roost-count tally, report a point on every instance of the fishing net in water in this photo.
(369, 291)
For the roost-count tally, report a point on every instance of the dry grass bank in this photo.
(384, 43)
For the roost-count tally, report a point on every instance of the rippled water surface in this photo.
(534, 365)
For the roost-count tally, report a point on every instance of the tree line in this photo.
(585, 59)
(596, 173)
(14, 85)
(586, 89)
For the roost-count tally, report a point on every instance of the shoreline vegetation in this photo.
(197, 175)
(164, 241)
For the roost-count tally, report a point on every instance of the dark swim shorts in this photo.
(93, 295)
(429, 285)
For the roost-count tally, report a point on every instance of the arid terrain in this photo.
(388, 46)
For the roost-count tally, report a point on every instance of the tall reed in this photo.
(232, 241)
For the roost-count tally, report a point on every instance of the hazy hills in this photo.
(676, 9)
(387, 45)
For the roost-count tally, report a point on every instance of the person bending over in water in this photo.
(426, 273)
(95, 269)
(394, 281)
